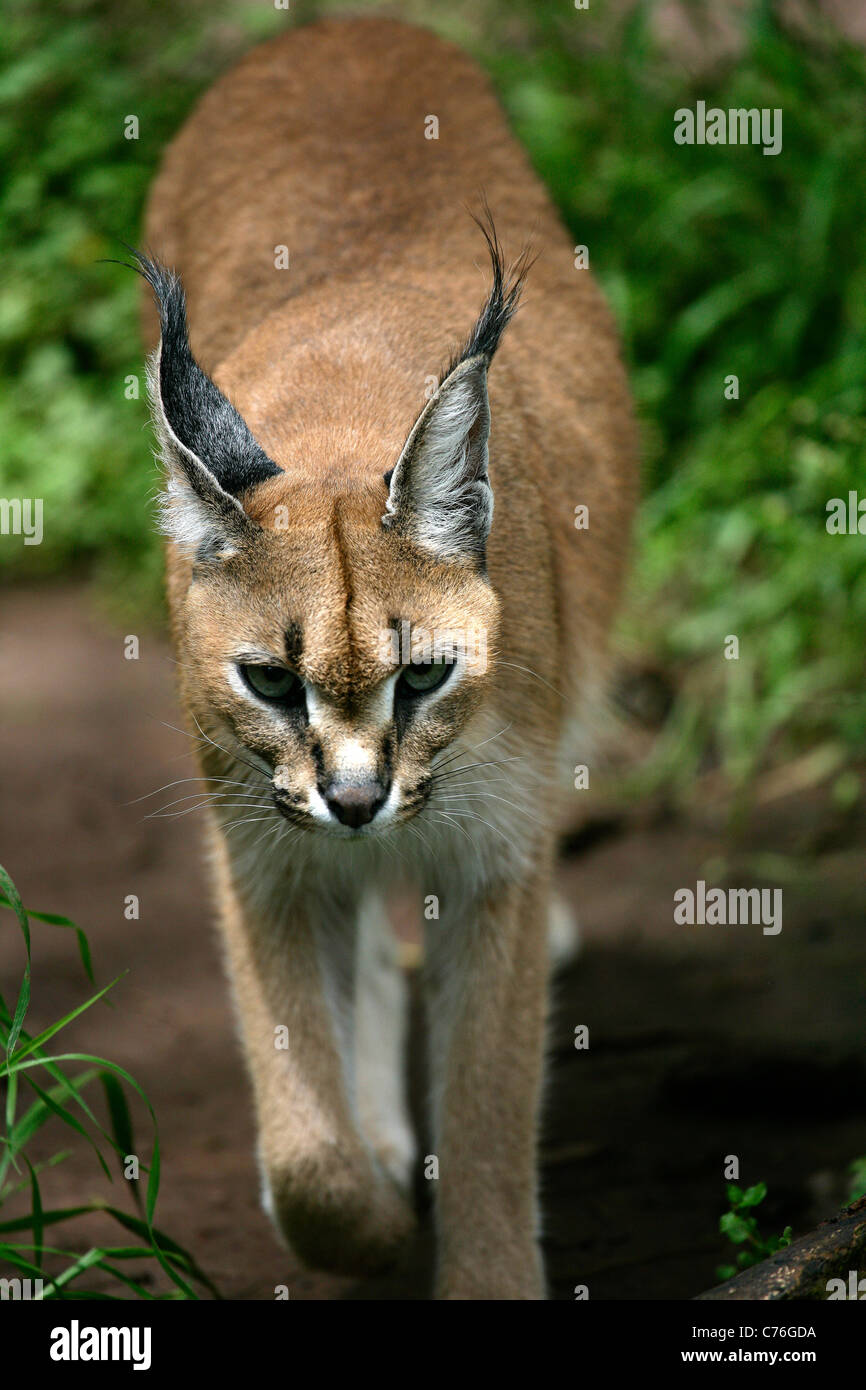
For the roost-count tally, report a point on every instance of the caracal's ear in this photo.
(210, 456)
(439, 494)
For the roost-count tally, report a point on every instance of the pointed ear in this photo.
(439, 494)
(210, 456)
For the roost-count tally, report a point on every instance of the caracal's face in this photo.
(334, 662)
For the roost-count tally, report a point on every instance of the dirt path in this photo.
(704, 1041)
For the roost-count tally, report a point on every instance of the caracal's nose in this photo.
(355, 803)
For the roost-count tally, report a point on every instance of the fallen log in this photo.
(834, 1250)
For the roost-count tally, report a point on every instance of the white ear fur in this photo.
(194, 510)
(439, 494)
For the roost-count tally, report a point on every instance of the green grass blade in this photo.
(13, 900)
(54, 1216)
(89, 1296)
(84, 1262)
(62, 1080)
(121, 1121)
(23, 1055)
(153, 1177)
(53, 1028)
(95, 1257)
(10, 1254)
(35, 1117)
(70, 1120)
(65, 1085)
(171, 1247)
(138, 1289)
(37, 1223)
(11, 1188)
(54, 919)
(11, 1102)
(50, 1217)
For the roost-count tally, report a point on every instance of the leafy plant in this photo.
(60, 1095)
(741, 1228)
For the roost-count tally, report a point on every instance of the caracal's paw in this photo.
(359, 1232)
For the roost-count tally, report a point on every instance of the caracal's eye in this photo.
(272, 682)
(423, 676)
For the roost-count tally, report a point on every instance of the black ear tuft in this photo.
(198, 414)
(502, 301)
(439, 492)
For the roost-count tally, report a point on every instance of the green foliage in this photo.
(718, 261)
(857, 1171)
(72, 193)
(64, 1101)
(722, 261)
(741, 1229)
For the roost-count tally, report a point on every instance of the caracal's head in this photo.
(336, 629)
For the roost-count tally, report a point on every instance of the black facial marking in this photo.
(415, 796)
(294, 640)
(389, 745)
(402, 630)
(298, 716)
(404, 713)
(290, 805)
(288, 798)
(318, 757)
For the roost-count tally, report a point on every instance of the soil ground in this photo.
(704, 1041)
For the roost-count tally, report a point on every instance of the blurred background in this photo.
(717, 262)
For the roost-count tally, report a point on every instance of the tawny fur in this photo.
(316, 141)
